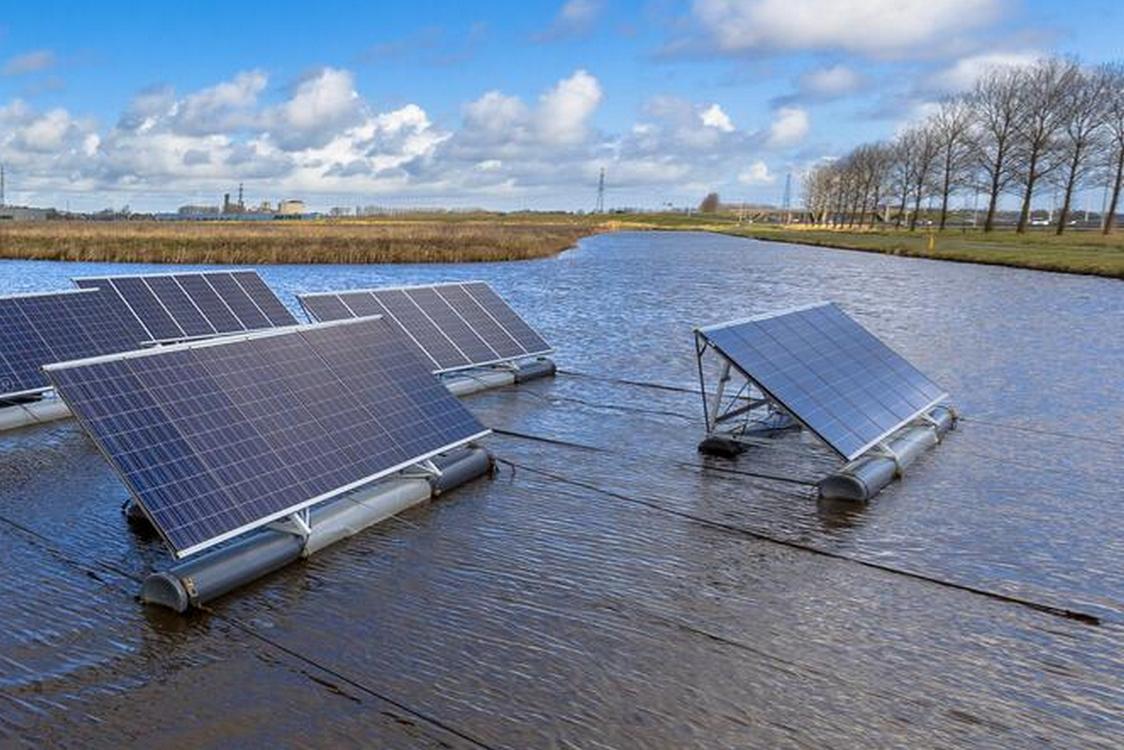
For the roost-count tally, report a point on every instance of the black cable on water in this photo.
(46, 543)
(1082, 617)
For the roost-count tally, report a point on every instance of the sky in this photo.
(502, 105)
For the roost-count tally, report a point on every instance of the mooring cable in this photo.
(960, 417)
(625, 381)
(682, 464)
(46, 543)
(553, 399)
(418, 713)
(1040, 431)
(1050, 609)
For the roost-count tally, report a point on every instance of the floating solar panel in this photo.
(182, 306)
(828, 372)
(217, 437)
(456, 325)
(37, 329)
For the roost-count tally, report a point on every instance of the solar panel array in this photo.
(456, 325)
(180, 306)
(37, 329)
(218, 437)
(829, 372)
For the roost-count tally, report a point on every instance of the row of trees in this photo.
(1055, 123)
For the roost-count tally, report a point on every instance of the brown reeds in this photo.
(422, 240)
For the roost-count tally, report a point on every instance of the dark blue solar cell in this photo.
(531, 341)
(182, 309)
(56, 326)
(22, 349)
(480, 321)
(831, 373)
(209, 303)
(452, 325)
(147, 308)
(39, 329)
(266, 300)
(238, 301)
(406, 313)
(455, 325)
(219, 437)
(325, 307)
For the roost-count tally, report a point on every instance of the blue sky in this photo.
(501, 105)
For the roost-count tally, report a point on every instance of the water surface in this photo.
(630, 593)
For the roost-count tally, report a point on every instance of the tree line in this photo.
(1054, 123)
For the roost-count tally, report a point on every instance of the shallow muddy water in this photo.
(619, 590)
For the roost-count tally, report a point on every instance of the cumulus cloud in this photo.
(882, 28)
(564, 111)
(714, 117)
(830, 82)
(575, 18)
(322, 138)
(757, 174)
(221, 108)
(789, 127)
(962, 74)
(29, 62)
(321, 104)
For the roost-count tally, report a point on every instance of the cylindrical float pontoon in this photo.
(22, 414)
(866, 476)
(212, 574)
(473, 381)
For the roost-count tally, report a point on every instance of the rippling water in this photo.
(629, 593)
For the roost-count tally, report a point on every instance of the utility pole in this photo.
(2, 185)
(601, 192)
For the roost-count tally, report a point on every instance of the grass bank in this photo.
(419, 239)
(473, 237)
(1073, 252)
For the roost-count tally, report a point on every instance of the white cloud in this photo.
(963, 74)
(496, 116)
(869, 27)
(223, 107)
(564, 110)
(830, 82)
(757, 174)
(30, 62)
(789, 127)
(324, 142)
(321, 104)
(714, 117)
(574, 18)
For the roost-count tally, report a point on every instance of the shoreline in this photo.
(1102, 259)
(483, 238)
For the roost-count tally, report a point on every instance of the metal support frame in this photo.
(298, 524)
(734, 415)
(423, 469)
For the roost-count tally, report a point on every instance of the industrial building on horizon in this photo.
(287, 208)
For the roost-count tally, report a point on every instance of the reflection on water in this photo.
(629, 596)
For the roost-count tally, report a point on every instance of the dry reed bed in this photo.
(424, 241)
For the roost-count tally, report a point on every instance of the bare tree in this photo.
(1042, 91)
(1114, 105)
(1085, 111)
(903, 150)
(996, 106)
(818, 192)
(951, 125)
(871, 163)
(926, 146)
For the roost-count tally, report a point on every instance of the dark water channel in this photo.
(618, 590)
